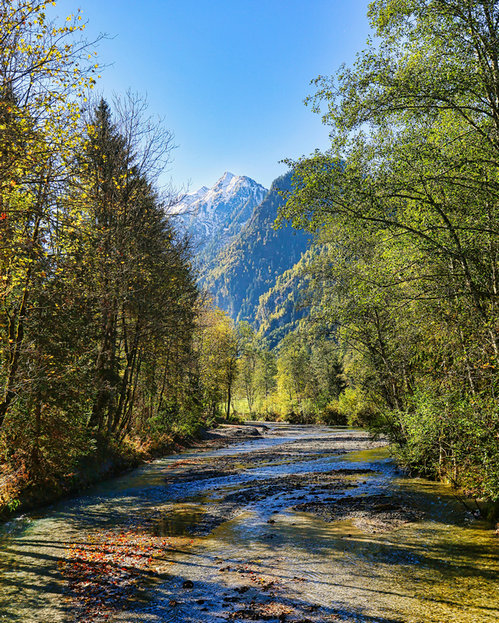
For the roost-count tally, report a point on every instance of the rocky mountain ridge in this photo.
(214, 216)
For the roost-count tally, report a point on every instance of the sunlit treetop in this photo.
(46, 69)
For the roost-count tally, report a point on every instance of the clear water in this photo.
(442, 568)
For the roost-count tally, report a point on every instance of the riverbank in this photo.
(19, 495)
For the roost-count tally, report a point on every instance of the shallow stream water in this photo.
(253, 531)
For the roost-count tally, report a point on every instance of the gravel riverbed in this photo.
(264, 523)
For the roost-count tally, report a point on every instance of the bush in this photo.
(332, 415)
(451, 438)
(356, 408)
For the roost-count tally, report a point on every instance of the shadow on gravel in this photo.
(211, 602)
(215, 596)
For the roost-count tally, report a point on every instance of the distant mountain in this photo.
(285, 303)
(215, 216)
(253, 263)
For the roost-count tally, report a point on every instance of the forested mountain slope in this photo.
(287, 301)
(256, 259)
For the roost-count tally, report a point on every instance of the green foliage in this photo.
(298, 381)
(99, 305)
(283, 305)
(217, 349)
(405, 208)
(13, 505)
(454, 438)
(356, 408)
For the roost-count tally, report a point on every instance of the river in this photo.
(288, 523)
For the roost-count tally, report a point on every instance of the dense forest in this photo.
(107, 347)
(387, 319)
(405, 205)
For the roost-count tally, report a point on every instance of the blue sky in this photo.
(228, 76)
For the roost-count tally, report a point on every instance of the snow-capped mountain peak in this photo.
(225, 180)
(227, 188)
(214, 215)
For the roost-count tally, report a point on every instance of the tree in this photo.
(218, 354)
(265, 373)
(99, 301)
(44, 74)
(139, 281)
(248, 358)
(407, 199)
(293, 374)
